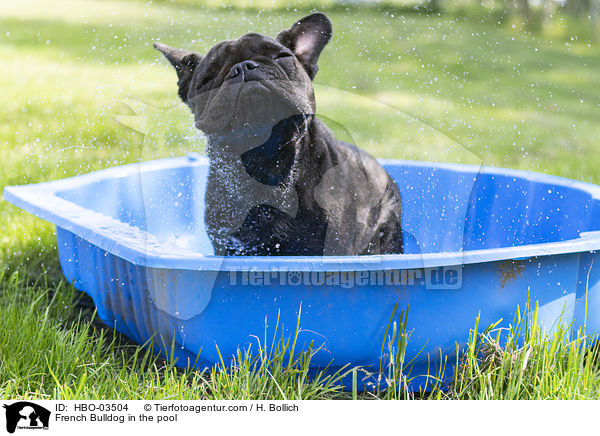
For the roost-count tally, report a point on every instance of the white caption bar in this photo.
(291, 417)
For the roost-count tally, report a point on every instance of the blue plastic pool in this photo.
(478, 240)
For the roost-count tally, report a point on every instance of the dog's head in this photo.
(254, 81)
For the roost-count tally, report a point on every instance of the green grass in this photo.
(540, 367)
(59, 351)
(82, 89)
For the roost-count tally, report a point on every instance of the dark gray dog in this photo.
(279, 183)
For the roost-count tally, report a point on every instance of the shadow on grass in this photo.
(32, 259)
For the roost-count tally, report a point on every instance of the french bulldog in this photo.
(279, 182)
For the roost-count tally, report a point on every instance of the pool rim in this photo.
(142, 248)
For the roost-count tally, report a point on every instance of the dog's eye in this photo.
(283, 54)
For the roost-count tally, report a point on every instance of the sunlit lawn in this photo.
(81, 88)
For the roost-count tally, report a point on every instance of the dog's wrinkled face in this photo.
(247, 86)
(249, 82)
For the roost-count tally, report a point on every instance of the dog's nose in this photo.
(239, 72)
(249, 65)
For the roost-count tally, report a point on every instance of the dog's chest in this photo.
(231, 193)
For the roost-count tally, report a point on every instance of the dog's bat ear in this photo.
(184, 62)
(306, 38)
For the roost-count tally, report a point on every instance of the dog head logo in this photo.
(24, 414)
